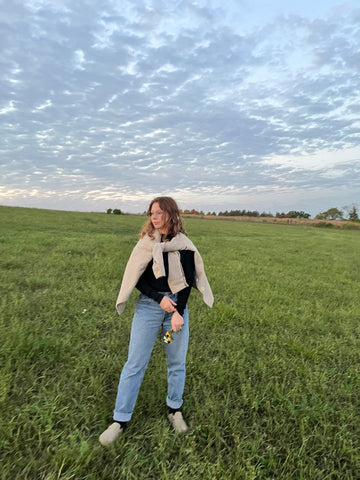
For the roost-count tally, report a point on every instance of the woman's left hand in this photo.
(177, 321)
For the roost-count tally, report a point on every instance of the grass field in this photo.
(273, 378)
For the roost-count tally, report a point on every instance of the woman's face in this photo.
(158, 217)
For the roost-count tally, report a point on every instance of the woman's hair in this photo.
(174, 223)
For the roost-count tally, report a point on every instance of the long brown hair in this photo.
(174, 224)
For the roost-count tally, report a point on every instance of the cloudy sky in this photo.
(222, 104)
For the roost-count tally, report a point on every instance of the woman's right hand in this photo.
(177, 322)
(168, 305)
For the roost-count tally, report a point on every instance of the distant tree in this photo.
(353, 214)
(240, 213)
(117, 211)
(296, 214)
(292, 214)
(193, 212)
(331, 214)
(109, 210)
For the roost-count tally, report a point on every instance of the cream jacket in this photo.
(147, 249)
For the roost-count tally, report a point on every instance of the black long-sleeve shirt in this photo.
(150, 286)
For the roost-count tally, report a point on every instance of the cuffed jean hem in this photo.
(122, 417)
(174, 405)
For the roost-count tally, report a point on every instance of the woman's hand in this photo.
(168, 305)
(177, 322)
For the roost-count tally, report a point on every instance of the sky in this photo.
(221, 104)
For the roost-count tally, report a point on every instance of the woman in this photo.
(163, 266)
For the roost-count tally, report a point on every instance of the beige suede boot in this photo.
(110, 434)
(177, 421)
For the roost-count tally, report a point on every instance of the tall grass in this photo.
(273, 376)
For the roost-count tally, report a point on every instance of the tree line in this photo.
(255, 213)
(251, 213)
(331, 214)
(336, 214)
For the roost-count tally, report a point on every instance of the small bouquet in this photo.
(168, 337)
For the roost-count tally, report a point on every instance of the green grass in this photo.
(273, 379)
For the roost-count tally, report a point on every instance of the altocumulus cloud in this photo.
(106, 104)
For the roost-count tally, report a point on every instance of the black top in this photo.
(150, 286)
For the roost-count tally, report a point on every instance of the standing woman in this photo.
(163, 266)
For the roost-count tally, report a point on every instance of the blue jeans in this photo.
(148, 319)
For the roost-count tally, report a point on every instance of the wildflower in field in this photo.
(84, 311)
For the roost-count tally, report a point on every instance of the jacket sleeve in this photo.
(146, 289)
(139, 259)
(188, 264)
